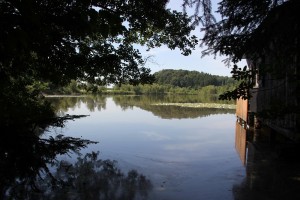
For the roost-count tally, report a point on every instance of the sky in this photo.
(164, 58)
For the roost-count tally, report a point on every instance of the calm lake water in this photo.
(147, 149)
(186, 153)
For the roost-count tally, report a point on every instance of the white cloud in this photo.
(155, 136)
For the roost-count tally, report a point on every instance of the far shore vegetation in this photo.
(168, 82)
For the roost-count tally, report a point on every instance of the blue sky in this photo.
(164, 58)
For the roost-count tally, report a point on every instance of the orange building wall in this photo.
(242, 109)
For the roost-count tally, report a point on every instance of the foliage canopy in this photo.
(60, 40)
(192, 79)
(266, 32)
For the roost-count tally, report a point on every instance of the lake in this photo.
(147, 147)
(186, 153)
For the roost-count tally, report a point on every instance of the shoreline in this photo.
(62, 95)
(199, 105)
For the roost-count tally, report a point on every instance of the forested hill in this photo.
(192, 79)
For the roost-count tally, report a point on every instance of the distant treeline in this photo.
(190, 79)
(207, 93)
(167, 82)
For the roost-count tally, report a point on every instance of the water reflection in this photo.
(191, 156)
(25, 155)
(62, 105)
(272, 166)
(88, 178)
(98, 103)
(176, 112)
(30, 168)
(168, 112)
(240, 141)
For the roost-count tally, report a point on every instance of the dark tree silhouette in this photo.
(266, 32)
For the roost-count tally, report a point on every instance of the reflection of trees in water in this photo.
(272, 170)
(24, 156)
(168, 112)
(129, 101)
(93, 178)
(27, 159)
(29, 169)
(144, 102)
(88, 178)
(154, 99)
(171, 112)
(62, 104)
(95, 102)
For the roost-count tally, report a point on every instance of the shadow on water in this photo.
(272, 166)
(87, 178)
(30, 168)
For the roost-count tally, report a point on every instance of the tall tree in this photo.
(264, 31)
(59, 40)
(88, 40)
